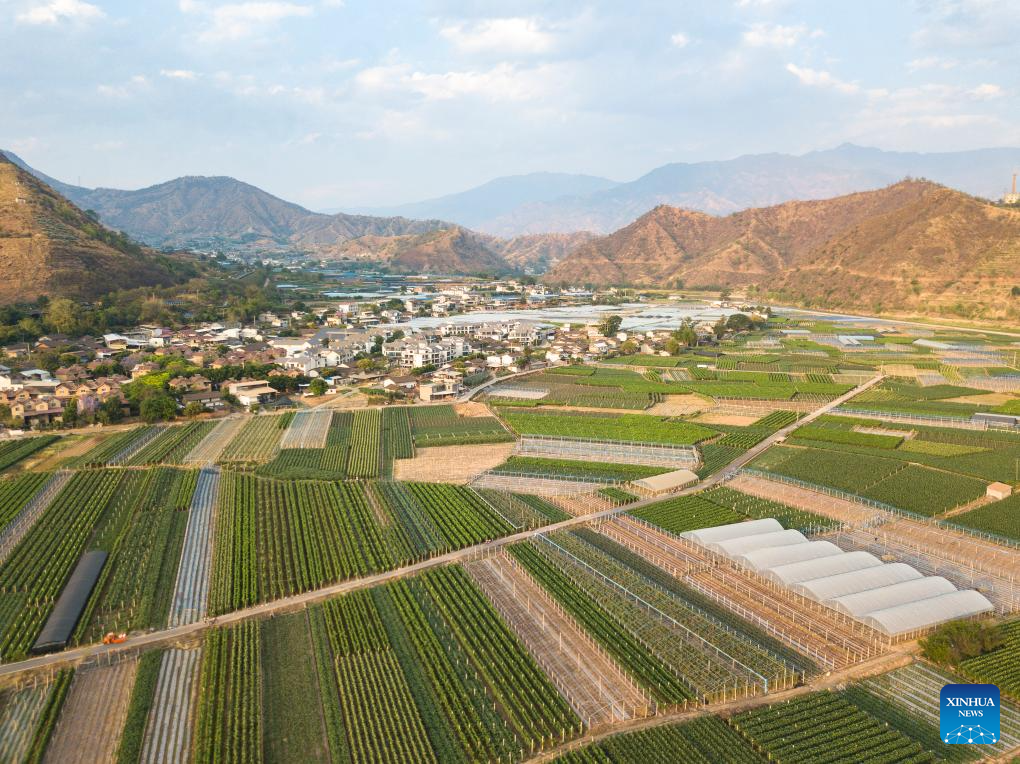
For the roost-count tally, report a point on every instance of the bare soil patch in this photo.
(737, 420)
(451, 464)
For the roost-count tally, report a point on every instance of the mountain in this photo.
(225, 213)
(50, 247)
(914, 246)
(457, 250)
(484, 206)
(722, 187)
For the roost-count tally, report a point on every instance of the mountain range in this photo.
(222, 212)
(50, 247)
(914, 246)
(544, 203)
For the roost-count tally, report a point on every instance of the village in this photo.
(419, 346)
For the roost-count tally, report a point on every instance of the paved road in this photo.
(297, 601)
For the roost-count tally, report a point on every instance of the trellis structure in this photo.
(610, 451)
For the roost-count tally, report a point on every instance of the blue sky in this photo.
(354, 103)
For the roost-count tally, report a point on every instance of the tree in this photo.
(686, 334)
(62, 316)
(958, 640)
(194, 408)
(317, 386)
(629, 347)
(157, 407)
(610, 325)
(739, 322)
(70, 415)
(111, 410)
(720, 328)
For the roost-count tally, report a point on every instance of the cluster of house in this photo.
(38, 397)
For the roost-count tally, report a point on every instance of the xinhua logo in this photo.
(969, 714)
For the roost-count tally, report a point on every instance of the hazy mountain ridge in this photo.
(50, 247)
(723, 187)
(199, 210)
(457, 250)
(914, 246)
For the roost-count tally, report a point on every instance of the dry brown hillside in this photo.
(457, 250)
(914, 246)
(50, 247)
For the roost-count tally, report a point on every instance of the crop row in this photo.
(172, 445)
(32, 577)
(275, 538)
(1001, 666)
(814, 727)
(440, 426)
(258, 440)
(229, 723)
(16, 492)
(622, 427)
(13, 451)
(702, 741)
(633, 655)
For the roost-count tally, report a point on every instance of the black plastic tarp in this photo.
(60, 625)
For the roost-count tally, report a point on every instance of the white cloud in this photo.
(986, 90)
(762, 35)
(509, 35)
(821, 79)
(931, 62)
(133, 86)
(178, 74)
(59, 10)
(236, 21)
(500, 83)
(680, 40)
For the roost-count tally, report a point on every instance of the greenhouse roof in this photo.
(928, 612)
(821, 567)
(918, 589)
(780, 556)
(733, 530)
(733, 547)
(829, 587)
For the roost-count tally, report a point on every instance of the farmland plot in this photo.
(169, 729)
(34, 573)
(293, 727)
(208, 450)
(620, 427)
(191, 592)
(14, 451)
(22, 500)
(20, 712)
(813, 726)
(440, 426)
(136, 588)
(276, 538)
(172, 445)
(597, 689)
(258, 441)
(308, 429)
(93, 714)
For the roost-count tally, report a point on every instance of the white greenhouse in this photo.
(862, 603)
(913, 616)
(781, 556)
(832, 565)
(893, 598)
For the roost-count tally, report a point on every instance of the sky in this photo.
(355, 103)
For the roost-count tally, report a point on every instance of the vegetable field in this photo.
(814, 726)
(625, 427)
(440, 426)
(229, 719)
(258, 441)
